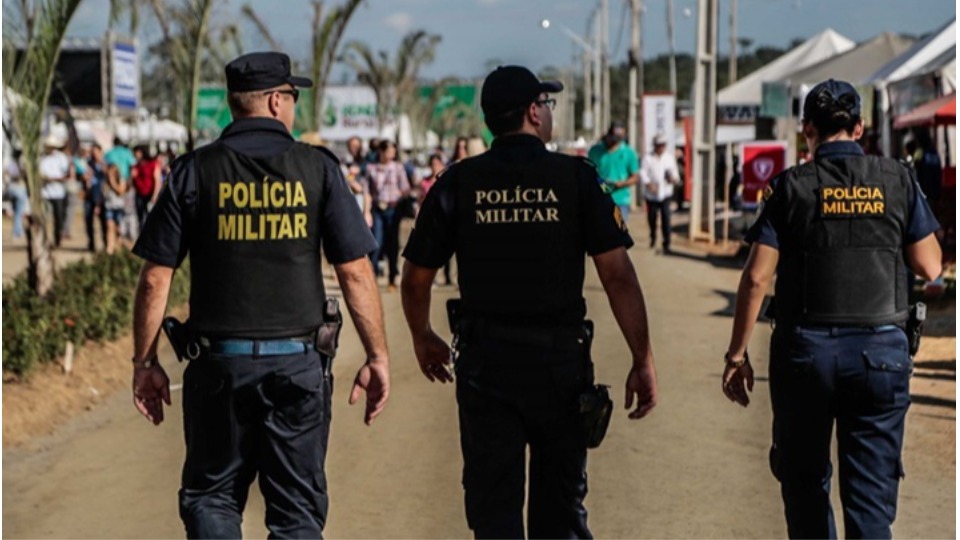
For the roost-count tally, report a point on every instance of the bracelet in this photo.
(145, 364)
(736, 364)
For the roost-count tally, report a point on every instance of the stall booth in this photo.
(940, 115)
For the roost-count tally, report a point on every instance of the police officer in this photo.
(520, 220)
(251, 210)
(837, 231)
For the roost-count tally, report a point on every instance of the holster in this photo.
(918, 314)
(328, 333)
(182, 339)
(595, 405)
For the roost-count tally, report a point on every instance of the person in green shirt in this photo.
(617, 165)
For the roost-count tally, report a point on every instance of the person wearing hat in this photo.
(55, 170)
(839, 233)
(659, 175)
(251, 210)
(618, 165)
(520, 220)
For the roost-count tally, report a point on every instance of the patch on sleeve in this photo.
(767, 192)
(618, 217)
(852, 202)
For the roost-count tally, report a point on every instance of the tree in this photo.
(327, 33)
(27, 89)
(392, 80)
(185, 34)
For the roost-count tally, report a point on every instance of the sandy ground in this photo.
(697, 467)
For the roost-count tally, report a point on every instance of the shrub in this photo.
(90, 300)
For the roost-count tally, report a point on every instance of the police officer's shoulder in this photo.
(322, 150)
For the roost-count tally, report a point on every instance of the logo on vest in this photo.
(271, 204)
(519, 205)
(852, 201)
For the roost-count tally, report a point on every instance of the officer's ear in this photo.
(273, 104)
(809, 132)
(858, 130)
(533, 114)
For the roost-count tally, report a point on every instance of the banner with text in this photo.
(348, 111)
(658, 119)
(125, 76)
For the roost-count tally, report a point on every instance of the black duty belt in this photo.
(563, 337)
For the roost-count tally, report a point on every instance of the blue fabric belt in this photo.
(256, 347)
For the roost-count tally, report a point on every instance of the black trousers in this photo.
(663, 209)
(512, 397)
(90, 215)
(246, 417)
(143, 208)
(58, 209)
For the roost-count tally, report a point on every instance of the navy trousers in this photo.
(246, 417)
(512, 397)
(859, 379)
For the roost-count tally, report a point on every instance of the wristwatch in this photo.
(145, 364)
(736, 364)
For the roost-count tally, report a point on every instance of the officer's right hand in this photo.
(151, 389)
(433, 354)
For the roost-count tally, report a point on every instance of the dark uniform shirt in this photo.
(165, 236)
(765, 230)
(512, 275)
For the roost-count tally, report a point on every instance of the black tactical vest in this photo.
(520, 248)
(255, 244)
(841, 243)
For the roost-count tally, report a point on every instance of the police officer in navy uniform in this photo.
(252, 209)
(839, 232)
(520, 220)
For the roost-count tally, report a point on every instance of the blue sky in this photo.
(477, 31)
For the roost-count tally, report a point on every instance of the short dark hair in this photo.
(505, 123)
(386, 143)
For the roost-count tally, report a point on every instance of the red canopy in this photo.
(940, 111)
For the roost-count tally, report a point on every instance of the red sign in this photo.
(760, 161)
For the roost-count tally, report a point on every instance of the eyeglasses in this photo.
(549, 103)
(291, 92)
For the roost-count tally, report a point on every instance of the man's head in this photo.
(659, 144)
(53, 142)
(615, 134)
(831, 111)
(354, 146)
(117, 141)
(515, 101)
(260, 84)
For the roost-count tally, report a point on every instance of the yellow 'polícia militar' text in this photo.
(274, 203)
(852, 201)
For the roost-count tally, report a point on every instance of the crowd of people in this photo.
(116, 188)
(390, 187)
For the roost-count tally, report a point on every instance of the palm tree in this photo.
(184, 31)
(327, 33)
(393, 80)
(27, 88)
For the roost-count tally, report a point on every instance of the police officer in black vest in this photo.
(839, 232)
(520, 220)
(251, 209)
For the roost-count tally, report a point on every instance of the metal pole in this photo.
(732, 78)
(673, 56)
(705, 124)
(732, 64)
(605, 52)
(588, 119)
(633, 96)
(597, 81)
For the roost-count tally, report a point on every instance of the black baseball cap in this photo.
(513, 87)
(260, 71)
(831, 96)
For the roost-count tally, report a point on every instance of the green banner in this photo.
(213, 112)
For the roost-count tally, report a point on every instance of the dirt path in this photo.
(696, 468)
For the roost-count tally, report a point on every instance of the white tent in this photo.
(749, 90)
(919, 56)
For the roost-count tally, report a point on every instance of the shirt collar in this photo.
(517, 139)
(243, 126)
(839, 149)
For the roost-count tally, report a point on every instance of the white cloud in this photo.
(401, 21)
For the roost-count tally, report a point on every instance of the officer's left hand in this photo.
(433, 354)
(374, 378)
(737, 381)
(642, 383)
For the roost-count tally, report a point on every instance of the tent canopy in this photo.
(749, 90)
(918, 57)
(938, 112)
(855, 65)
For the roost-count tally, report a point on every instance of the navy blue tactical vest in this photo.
(841, 242)
(255, 247)
(520, 247)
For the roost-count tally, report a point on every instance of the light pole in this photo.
(591, 115)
